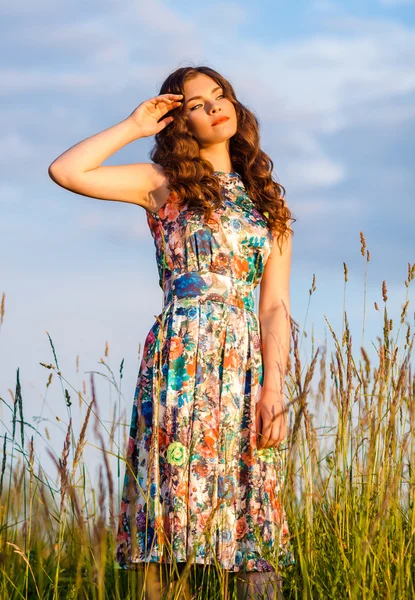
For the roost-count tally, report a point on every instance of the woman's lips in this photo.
(223, 120)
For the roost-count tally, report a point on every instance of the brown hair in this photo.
(191, 177)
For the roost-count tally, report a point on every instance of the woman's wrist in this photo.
(273, 391)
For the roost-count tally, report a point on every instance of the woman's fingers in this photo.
(275, 437)
(257, 421)
(172, 96)
(163, 105)
(271, 433)
(261, 428)
(167, 99)
(264, 433)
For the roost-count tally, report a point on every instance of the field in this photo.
(349, 492)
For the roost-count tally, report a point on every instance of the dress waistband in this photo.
(200, 286)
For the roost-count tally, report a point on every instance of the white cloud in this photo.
(302, 90)
(311, 173)
(324, 208)
(305, 165)
(328, 74)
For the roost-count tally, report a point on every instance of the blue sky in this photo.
(333, 87)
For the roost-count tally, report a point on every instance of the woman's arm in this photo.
(79, 169)
(94, 150)
(274, 317)
(275, 334)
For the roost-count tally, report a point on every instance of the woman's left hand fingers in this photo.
(276, 436)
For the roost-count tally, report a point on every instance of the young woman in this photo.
(204, 473)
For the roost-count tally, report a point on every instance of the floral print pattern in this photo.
(196, 487)
(176, 454)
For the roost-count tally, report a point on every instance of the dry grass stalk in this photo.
(82, 440)
(2, 307)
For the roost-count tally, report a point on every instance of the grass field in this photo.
(349, 492)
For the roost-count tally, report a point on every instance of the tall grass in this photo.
(349, 491)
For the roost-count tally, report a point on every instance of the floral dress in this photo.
(196, 487)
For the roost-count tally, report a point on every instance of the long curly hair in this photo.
(192, 178)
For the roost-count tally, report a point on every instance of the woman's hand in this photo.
(271, 419)
(146, 116)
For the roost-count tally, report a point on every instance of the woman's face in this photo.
(202, 112)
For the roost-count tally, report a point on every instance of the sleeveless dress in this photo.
(196, 487)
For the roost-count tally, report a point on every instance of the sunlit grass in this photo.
(349, 491)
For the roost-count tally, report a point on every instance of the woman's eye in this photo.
(196, 105)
